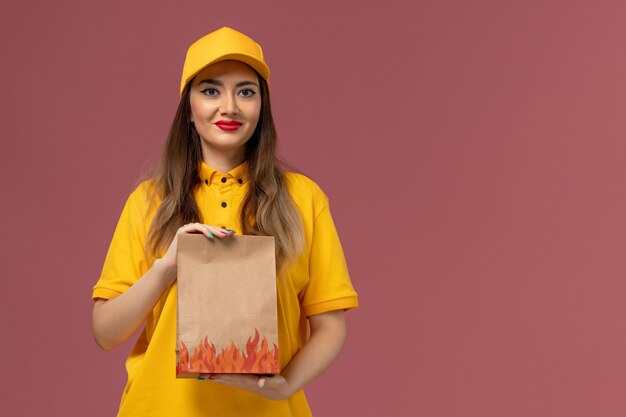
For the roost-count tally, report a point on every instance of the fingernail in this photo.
(211, 235)
(200, 378)
(231, 231)
(211, 376)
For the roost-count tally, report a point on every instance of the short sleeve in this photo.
(125, 261)
(329, 287)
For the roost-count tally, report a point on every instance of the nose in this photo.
(229, 104)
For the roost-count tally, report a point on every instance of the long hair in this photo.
(267, 208)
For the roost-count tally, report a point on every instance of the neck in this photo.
(223, 160)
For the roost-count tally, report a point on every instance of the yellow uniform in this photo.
(316, 282)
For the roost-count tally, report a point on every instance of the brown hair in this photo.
(267, 208)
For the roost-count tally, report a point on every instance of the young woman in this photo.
(219, 176)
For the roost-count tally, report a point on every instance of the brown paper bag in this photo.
(226, 306)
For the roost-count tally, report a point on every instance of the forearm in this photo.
(115, 320)
(328, 332)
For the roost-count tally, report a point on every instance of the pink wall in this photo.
(474, 157)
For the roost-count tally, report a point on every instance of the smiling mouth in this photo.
(228, 125)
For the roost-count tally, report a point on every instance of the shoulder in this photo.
(306, 193)
(302, 186)
(143, 198)
(144, 191)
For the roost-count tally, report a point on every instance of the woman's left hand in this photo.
(328, 331)
(272, 387)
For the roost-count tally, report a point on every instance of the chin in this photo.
(226, 145)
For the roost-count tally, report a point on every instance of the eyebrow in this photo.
(221, 84)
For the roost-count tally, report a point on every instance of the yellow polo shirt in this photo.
(316, 282)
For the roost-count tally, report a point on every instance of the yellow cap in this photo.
(222, 44)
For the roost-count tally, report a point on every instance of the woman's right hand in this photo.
(210, 231)
(115, 320)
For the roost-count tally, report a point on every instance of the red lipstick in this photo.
(228, 124)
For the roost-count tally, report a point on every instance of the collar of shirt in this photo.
(237, 175)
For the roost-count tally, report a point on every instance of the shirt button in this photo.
(240, 181)
(223, 179)
(224, 204)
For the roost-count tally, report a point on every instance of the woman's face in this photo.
(225, 104)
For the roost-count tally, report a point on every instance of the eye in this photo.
(209, 92)
(247, 92)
